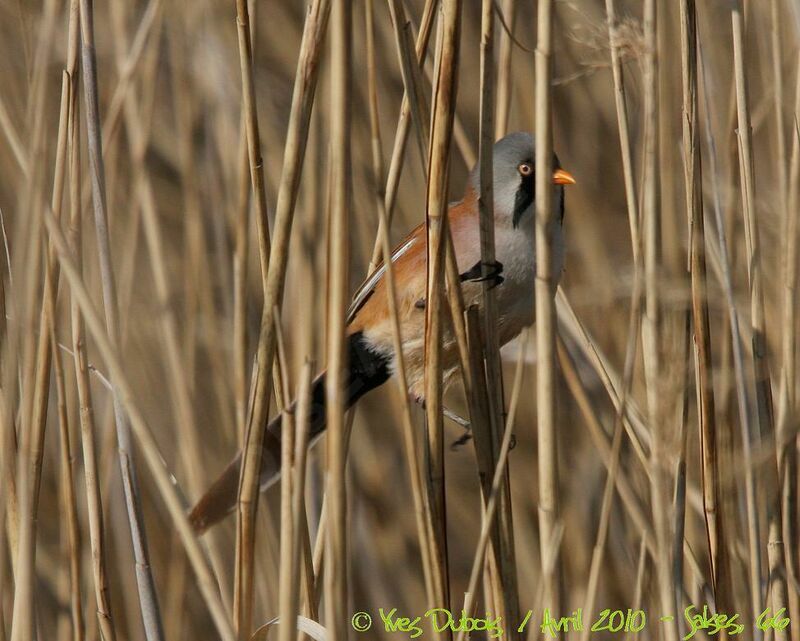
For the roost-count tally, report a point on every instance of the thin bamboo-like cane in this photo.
(302, 552)
(496, 487)
(506, 587)
(604, 445)
(23, 354)
(297, 135)
(504, 85)
(49, 289)
(616, 445)
(775, 554)
(287, 579)
(403, 126)
(412, 78)
(292, 505)
(143, 433)
(251, 454)
(70, 511)
(147, 596)
(442, 113)
(546, 221)
(693, 175)
(422, 515)
(302, 100)
(743, 399)
(781, 164)
(47, 326)
(652, 325)
(788, 459)
(338, 299)
(624, 131)
(94, 505)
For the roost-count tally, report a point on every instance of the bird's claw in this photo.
(461, 440)
(476, 273)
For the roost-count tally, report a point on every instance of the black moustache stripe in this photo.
(523, 199)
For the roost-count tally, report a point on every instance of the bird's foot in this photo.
(484, 272)
(461, 440)
(461, 422)
(458, 420)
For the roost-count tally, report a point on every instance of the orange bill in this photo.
(563, 177)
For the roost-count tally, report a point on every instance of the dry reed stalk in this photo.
(500, 472)
(547, 442)
(504, 88)
(251, 454)
(601, 441)
(652, 323)
(404, 122)
(41, 392)
(422, 515)
(250, 113)
(138, 134)
(148, 601)
(624, 132)
(176, 590)
(775, 555)
(140, 427)
(35, 362)
(412, 79)
(637, 428)
(460, 137)
(293, 526)
(274, 275)
(241, 229)
(320, 543)
(781, 164)
(743, 400)
(479, 425)
(598, 553)
(4, 566)
(68, 500)
(506, 583)
(336, 579)
(417, 105)
(86, 411)
(19, 386)
(287, 591)
(650, 213)
(788, 403)
(636, 602)
(72, 539)
(297, 135)
(442, 114)
(303, 553)
(491, 347)
(604, 446)
(127, 70)
(14, 142)
(693, 176)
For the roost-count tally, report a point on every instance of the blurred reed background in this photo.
(672, 477)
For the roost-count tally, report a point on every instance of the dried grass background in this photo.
(170, 98)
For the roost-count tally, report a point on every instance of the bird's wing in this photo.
(368, 286)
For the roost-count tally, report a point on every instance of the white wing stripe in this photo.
(368, 286)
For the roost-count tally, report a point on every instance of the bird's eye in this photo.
(525, 169)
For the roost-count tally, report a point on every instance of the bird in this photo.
(369, 333)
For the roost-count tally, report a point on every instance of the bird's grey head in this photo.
(514, 179)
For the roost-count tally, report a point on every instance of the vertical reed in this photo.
(545, 308)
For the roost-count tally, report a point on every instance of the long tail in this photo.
(366, 371)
